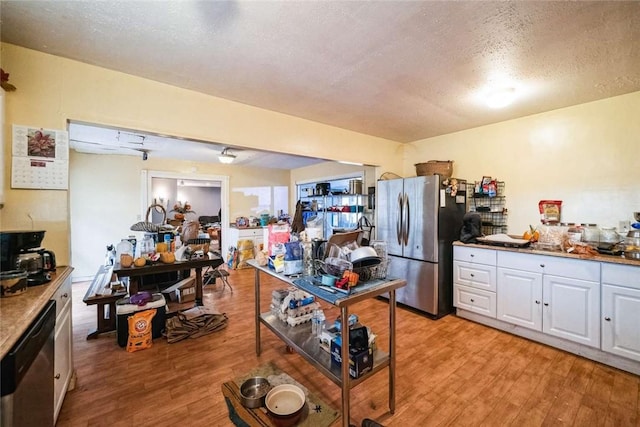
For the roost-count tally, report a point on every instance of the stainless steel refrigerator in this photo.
(419, 218)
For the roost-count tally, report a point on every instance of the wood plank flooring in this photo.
(450, 372)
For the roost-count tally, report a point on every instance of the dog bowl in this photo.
(284, 404)
(253, 392)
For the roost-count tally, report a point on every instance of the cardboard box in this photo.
(183, 291)
(360, 360)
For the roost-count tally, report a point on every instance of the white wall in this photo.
(587, 155)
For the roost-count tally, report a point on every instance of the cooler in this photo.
(124, 310)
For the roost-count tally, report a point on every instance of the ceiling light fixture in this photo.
(500, 98)
(226, 157)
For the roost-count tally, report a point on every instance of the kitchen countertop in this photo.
(17, 312)
(529, 250)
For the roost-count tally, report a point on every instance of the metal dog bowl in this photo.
(253, 392)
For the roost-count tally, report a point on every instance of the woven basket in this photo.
(147, 226)
(444, 168)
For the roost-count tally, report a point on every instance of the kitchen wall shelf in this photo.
(341, 211)
(492, 210)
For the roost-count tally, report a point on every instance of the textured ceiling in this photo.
(395, 69)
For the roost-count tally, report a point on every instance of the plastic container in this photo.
(609, 235)
(590, 233)
(124, 310)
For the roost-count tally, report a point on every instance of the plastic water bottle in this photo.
(320, 327)
(314, 323)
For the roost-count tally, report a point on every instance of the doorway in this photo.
(208, 195)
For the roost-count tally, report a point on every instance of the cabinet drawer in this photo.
(476, 300)
(557, 266)
(62, 296)
(475, 255)
(475, 275)
(623, 275)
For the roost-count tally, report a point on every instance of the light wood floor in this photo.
(449, 372)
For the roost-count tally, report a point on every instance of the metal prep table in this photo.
(299, 337)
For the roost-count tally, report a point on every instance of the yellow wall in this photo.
(585, 155)
(52, 90)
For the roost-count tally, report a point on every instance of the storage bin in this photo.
(444, 168)
(124, 310)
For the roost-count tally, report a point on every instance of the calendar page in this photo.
(40, 158)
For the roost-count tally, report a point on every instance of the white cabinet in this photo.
(63, 362)
(520, 297)
(555, 295)
(621, 310)
(258, 235)
(474, 280)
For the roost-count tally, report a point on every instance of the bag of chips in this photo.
(140, 330)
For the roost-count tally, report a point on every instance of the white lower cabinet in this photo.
(571, 309)
(621, 310)
(63, 353)
(520, 298)
(474, 280)
(563, 306)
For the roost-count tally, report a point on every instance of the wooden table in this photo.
(135, 273)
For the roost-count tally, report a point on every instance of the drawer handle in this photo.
(546, 304)
(472, 275)
(542, 265)
(472, 300)
(537, 302)
(57, 376)
(608, 319)
(472, 255)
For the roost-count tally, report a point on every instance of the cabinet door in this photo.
(571, 309)
(520, 298)
(620, 320)
(63, 360)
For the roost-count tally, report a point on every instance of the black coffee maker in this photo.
(20, 250)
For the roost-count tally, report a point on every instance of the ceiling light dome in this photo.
(501, 98)
(226, 157)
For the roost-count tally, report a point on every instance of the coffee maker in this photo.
(20, 250)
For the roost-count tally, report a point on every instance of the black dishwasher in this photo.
(27, 374)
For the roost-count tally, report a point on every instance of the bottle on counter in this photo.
(320, 324)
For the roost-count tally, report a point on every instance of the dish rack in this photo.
(372, 272)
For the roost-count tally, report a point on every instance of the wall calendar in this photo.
(40, 158)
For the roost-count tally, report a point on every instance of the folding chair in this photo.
(210, 276)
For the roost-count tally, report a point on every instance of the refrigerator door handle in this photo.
(399, 227)
(407, 219)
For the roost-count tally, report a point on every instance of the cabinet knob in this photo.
(472, 255)
(546, 304)
(57, 376)
(537, 302)
(542, 265)
(472, 275)
(608, 319)
(472, 300)
(65, 295)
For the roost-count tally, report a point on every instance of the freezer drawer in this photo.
(421, 291)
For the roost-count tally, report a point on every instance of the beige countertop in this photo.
(17, 312)
(529, 250)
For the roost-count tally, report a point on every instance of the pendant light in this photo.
(226, 157)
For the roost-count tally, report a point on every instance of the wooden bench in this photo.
(100, 294)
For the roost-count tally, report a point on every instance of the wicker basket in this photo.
(444, 168)
(147, 226)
